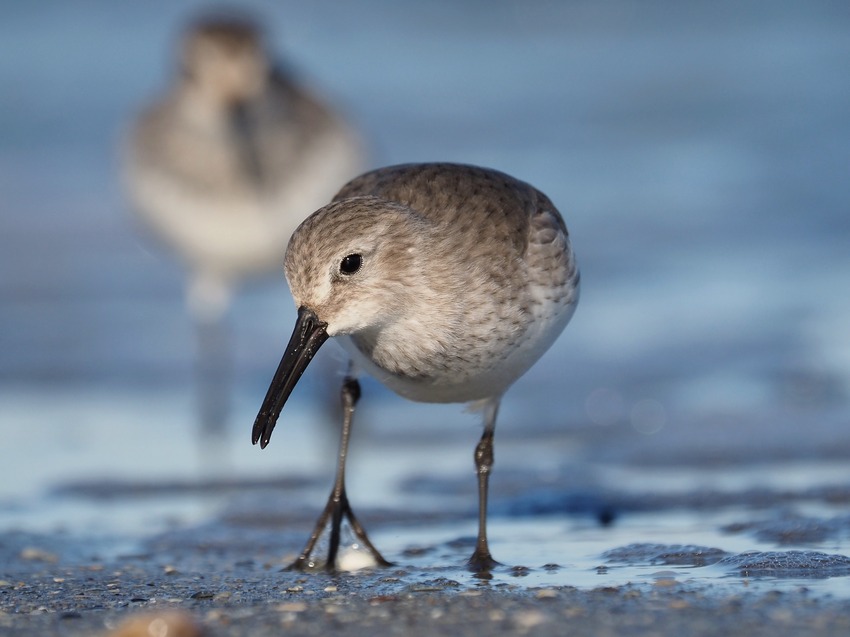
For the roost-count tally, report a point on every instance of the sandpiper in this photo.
(445, 282)
(227, 163)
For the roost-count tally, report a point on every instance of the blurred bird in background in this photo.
(222, 168)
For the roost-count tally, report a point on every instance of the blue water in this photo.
(699, 154)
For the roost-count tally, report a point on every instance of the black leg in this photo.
(481, 560)
(338, 507)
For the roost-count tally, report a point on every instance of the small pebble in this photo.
(169, 624)
(38, 555)
(665, 582)
(291, 607)
(203, 595)
(546, 593)
(529, 619)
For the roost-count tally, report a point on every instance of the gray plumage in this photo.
(446, 282)
(467, 277)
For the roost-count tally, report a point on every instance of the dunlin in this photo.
(446, 283)
(227, 163)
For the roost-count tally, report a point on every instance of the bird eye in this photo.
(350, 264)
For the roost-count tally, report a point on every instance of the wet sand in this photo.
(226, 571)
(246, 598)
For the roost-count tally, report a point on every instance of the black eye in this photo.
(350, 264)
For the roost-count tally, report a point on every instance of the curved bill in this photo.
(307, 338)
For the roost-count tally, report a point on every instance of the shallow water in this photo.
(700, 395)
(546, 526)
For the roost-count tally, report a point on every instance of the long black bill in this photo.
(307, 338)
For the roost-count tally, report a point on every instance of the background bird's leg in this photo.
(338, 507)
(213, 373)
(481, 559)
(208, 299)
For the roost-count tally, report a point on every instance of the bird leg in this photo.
(213, 366)
(481, 560)
(338, 507)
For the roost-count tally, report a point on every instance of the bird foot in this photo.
(481, 562)
(352, 555)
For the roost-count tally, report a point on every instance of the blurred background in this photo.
(700, 155)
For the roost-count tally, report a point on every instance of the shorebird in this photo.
(224, 167)
(445, 282)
